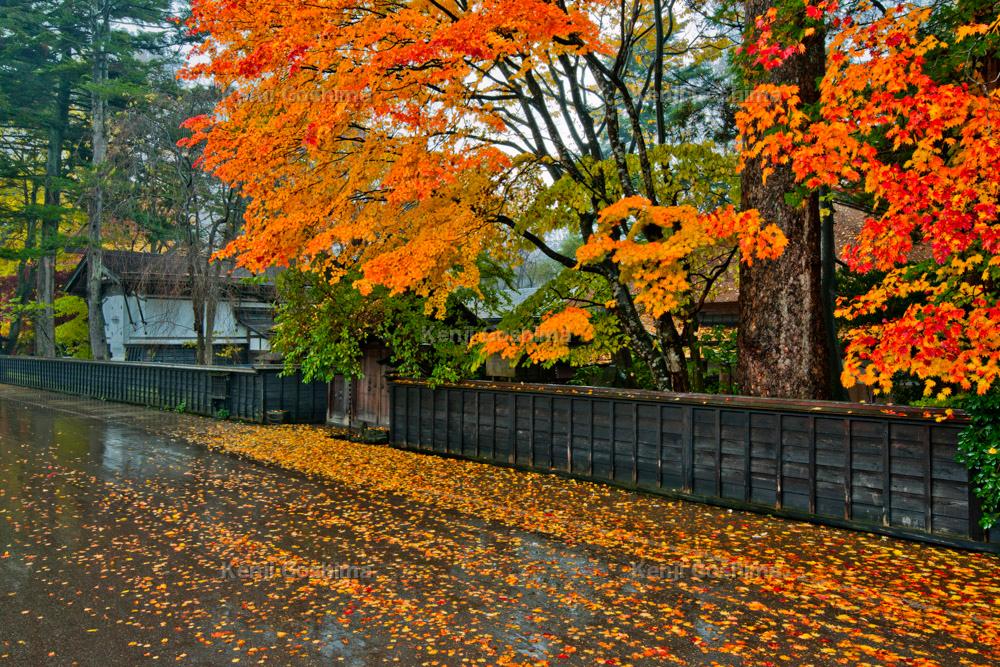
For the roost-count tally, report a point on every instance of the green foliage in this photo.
(230, 352)
(181, 407)
(701, 175)
(952, 402)
(594, 376)
(584, 289)
(624, 372)
(322, 326)
(701, 102)
(222, 414)
(72, 336)
(978, 50)
(979, 450)
(424, 347)
(718, 348)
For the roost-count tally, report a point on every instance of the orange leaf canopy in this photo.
(403, 141)
(365, 133)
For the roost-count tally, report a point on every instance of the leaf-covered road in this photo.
(120, 541)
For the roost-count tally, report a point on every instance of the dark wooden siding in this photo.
(244, 393)
(305, 402)
(852, 465)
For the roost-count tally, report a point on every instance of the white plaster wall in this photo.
(115, 322)
(153, 320)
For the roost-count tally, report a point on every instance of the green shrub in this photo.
(72, 334)
(979, 450)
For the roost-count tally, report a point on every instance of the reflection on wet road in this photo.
(122, 544)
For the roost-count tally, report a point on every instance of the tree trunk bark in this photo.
(204, 303)
(783, 344)
(95, 255)
(45, 274)
(211, 307)
(198, 311)
(672, 346)
(642, 343)
(45, 321)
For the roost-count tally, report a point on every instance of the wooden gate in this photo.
(364, 400)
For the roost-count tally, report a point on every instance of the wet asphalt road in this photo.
(122, 544)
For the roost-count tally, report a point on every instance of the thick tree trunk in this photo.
(829, 282)
(783, 343)
(95, 264)
(672, 344)
(197, 281)
(45, 321)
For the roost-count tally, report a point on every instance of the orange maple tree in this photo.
(403, 141)
(927, 154)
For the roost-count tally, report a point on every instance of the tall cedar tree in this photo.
(69, 63)
(120, 59)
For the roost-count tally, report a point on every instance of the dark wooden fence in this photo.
(240, 393)
(890, 471)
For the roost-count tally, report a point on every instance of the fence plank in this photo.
(779, 480)
(747, 459)
(590, 412)
(886, 479)
(812, 463)
(848, 471)
(659, 447)
(925, 435)
(687, 461)
(718, 453)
